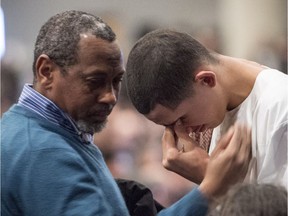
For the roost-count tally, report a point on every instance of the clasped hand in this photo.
(227, 164)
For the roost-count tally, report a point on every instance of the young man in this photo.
(175, 81)
(49, 164)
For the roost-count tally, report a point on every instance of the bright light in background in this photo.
(2, 33)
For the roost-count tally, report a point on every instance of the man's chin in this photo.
(91, 128)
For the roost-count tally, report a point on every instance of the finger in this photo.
(168, 140)
(237, 138)
(183, 138)
(245, 147)
(181, 132)
(169, 149)
(223, 142)
(239, 149)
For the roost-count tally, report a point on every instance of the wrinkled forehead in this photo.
(90, 45)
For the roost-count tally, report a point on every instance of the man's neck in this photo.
(238, 78)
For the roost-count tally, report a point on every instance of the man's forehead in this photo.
(111, 48)
(161, 115)
(96, 49)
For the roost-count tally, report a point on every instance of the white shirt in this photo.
(265, 110)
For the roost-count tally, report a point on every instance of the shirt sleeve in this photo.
(192, 204)
(275, 157)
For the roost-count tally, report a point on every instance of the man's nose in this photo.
(109, 96)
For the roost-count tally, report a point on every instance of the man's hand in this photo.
(229, 161)
(189, 162)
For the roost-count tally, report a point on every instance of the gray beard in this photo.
(91, 128)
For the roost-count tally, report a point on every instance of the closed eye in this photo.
(117, 80)
(96, 82)
(183, 120)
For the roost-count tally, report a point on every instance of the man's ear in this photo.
(44, 71)
(207, 78)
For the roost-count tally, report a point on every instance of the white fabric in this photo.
(265, 110)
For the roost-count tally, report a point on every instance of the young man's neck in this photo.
(238, 78)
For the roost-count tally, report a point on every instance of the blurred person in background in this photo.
(10, 86)
(252, 199)
(50, 165)
(9, 76)
(173, 80)
(10, 81)
(272, 53)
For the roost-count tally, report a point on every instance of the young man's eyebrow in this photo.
(171, 124)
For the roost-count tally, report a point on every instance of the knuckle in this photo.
(240, 162)
(165, 164)
(170, 159)
(230, 157)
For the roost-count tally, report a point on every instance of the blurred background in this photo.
(256, 30)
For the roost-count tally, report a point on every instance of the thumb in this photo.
(168, 139)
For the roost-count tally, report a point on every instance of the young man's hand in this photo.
(183, 156)
(228, 162)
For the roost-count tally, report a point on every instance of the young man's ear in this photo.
(207, 78)
(44, 71)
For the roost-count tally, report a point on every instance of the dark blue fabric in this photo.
(46, 170)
